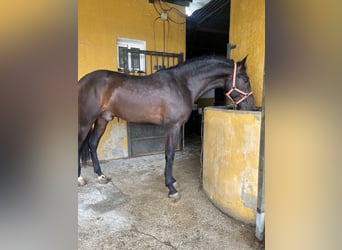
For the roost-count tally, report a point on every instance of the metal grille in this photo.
(153, 60)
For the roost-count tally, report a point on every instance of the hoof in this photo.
(81, 181)
(175, 196)
(102, 179)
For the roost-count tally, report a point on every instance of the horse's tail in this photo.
(85, 151)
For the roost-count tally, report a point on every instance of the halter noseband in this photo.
(243, 93)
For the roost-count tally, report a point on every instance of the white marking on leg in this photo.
(81, 181)
(102, 179)
(175, 196)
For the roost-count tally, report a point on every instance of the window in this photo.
(136, 61)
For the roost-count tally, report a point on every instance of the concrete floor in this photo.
(133, 211)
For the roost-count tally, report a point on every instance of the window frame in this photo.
(131, 43)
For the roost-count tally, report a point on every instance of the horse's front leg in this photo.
(96, 133)
(170, 148)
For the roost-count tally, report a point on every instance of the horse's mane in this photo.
(200, 59)
(208, 58)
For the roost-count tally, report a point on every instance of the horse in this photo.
(164, 98)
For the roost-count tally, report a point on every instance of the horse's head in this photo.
(238, 87)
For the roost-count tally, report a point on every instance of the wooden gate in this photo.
(145, 139)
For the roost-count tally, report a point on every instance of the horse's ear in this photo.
(242, 64)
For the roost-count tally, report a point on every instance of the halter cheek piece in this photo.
(234, 88)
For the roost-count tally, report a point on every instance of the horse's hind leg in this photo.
(82, 136)
(93, 142)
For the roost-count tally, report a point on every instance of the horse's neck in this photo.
(219, 83)
(207, 77)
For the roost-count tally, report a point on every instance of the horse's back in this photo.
(98, 84)
(155, 98)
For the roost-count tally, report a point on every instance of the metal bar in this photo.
(151, 66)
(229, 48)
(149, 138)
(260, 213)
(164, 60)
(125, 52)
(157, 63)
(150, 52)
(213, 10)
(180, 58)
(145, 65)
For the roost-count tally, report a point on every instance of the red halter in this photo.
(244, 94)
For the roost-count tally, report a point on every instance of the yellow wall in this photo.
(247, 31)
(100, 23)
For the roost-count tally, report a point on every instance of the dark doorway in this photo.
(207, 33)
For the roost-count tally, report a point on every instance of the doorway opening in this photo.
(207, 33)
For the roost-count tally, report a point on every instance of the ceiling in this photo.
(195, 5)
(206, 15)
(208, 29)
(212, 17)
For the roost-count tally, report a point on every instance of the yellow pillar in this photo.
(230, 161)
(247, 32)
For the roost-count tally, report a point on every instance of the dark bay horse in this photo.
(164, 98)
